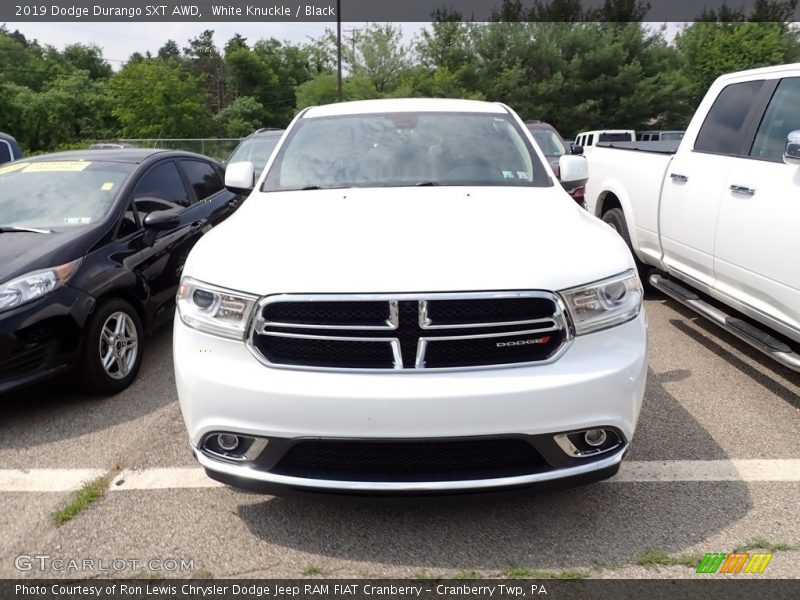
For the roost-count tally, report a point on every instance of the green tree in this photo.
(87, 58)
(241, 118)
(154, 98)
(710, 49)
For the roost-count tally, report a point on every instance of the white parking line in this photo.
(62, 480)
(45, 480)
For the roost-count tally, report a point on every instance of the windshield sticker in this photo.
(107, 186)
(508, 174)
(63, 165)
(77, 220)
(523, 175)
(12, 168)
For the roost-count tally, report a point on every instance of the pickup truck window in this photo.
(782, 116)
(5, 151)
(402, 149)
(722, 130)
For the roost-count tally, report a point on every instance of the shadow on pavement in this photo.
(57, 411)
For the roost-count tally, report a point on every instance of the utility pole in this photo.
(353, 36)
(338, 50)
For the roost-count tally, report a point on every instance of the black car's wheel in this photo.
(615, 218)
(112, 350)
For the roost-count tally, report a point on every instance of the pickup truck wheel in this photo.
(112, 351)
(615, 218)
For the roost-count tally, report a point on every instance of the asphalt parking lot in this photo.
(715, 465)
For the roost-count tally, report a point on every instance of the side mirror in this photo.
(576, 150)
(240, 177)
(791, 154)
(574, 171)
(159, 220)
(162, 220)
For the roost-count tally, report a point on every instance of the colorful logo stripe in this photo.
(737, 562)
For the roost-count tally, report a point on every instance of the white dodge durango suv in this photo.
(408, 303)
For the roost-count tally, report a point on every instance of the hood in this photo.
(23, 252)
(425, 239)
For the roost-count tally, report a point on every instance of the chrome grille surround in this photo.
(556, 322)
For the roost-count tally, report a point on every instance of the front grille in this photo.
(409, 331)
(25, 361)
(429, 460)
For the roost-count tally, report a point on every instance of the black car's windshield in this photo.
(549, 142)
(56, 194)
(257, 150)
(405, 149)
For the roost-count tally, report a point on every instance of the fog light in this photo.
(593, 437)
(227, 441)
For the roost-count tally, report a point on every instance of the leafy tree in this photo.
(87, 58)
(710, 48)
(209, 67)
(169, 50)
(154, 98)
(240, 118)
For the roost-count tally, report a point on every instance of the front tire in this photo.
(112, 347)
(615, 219)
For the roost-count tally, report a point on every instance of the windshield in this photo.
(402, 149)
(257, 150)
(549, 142)
(58, 194)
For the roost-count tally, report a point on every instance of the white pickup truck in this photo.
(717, 213)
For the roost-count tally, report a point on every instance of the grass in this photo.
(424, 575)
(88, 494)
(467, 575)
(657, 558)
(312, 570)
(519, 573)
(760, 543)
(523, 573)
(204, 575)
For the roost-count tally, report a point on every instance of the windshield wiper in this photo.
(311, 187)
(427, 183)
(25, 229)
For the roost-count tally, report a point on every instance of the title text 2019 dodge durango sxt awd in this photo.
(408, 302)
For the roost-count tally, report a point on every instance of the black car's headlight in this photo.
(36, 284)
(214, 310)
(605, 303)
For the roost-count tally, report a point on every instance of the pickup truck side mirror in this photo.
(574, 171)
(240, 177)
(791, 154)
(576, 150)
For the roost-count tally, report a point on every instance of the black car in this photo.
(9, 148)
(92, 245)
(256, 148)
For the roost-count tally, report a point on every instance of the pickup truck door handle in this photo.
(678, 178)
(742, 189)
(197, 226)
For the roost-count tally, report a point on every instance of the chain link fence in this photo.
(219, 148)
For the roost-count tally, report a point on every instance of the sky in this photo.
(119, 40)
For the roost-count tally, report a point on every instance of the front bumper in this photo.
(41, 339)
(598, 382)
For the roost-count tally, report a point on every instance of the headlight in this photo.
(34, 285)
(604, 303)
(214, 310)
